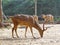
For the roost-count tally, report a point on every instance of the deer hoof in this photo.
(34, 37)
(13, 37)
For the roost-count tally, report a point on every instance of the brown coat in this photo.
(48, 18)
(27, 21)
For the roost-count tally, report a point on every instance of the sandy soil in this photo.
(51, 36)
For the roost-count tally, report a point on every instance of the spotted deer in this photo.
(48, 18)
(27, 21)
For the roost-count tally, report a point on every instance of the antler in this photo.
(43, 28)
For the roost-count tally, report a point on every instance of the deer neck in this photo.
(39, 29)
(36, 25)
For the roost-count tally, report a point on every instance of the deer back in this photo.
(23, 20)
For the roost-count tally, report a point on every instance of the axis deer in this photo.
(27, 21)
(48, 18)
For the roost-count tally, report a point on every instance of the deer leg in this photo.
(26, 31)
(16, 32)
(32, 32)
(13, 32)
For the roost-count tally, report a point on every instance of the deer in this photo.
(48, 18)
(27, 21)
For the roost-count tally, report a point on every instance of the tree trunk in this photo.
(0, 10)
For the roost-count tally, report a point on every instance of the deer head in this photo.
(40, 30)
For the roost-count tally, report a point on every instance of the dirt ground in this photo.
(51, 36)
